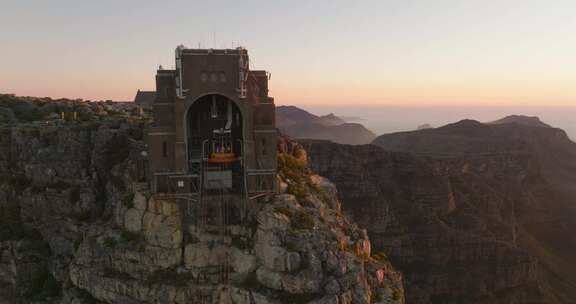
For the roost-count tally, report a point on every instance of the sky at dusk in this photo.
(505, 52)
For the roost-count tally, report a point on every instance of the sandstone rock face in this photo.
(494, 157)
(77, 226)
(453, 226)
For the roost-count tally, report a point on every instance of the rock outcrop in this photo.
(545, 203)
(455, 227)
(77, 225)
(469, 212)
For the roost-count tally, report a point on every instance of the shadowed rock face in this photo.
(413, 212)
(76, 226)
(458, 227)
(298, 123)
(551, 148)
(546, 225)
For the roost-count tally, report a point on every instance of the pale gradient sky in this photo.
(490, 52)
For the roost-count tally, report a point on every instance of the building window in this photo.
(263, 146)
(164, 149)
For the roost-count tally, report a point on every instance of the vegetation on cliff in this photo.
(77, 227)
(15, 109)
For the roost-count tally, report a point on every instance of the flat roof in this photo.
(235, 51)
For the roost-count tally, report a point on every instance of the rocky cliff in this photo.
(470, 213)
(455, 227)
(77, 225)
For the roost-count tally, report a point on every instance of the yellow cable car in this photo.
(222, 151)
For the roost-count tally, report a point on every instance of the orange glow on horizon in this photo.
(486, 53)
(338, 95)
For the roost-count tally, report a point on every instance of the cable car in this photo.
(222, 148)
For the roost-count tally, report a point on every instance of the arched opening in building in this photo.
(215, 140)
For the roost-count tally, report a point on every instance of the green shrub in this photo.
(297, 190)
(128, 200)
(11, 226)
(292, 247)
(78, 242)
(90, 125)
(59, 185)
(85, 116)
(132, 240)
(42, 286)
(74, 195)
(170, 276)
(130, 236)
(82, 216)
(302, 220)
(240, 242)
(35, 243)
(110, 242)
(291, 168)
(396, 294)
(6, 115)
(113, 273)
(250, 282)
(118, 182)
(86, 297)
(380, 256)
(291, 298)
(297, 175)
(377, 297)
(18, 182)
(284, 210)
(24, 111)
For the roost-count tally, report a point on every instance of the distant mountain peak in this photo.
(468, 122)
(533, 121)
(332, 119)
(299, 123)
(466, 127)
(425, 126)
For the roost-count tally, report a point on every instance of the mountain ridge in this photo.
(544, 232)
(533, 121)
(299, 123)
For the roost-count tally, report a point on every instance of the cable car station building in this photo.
(214, 127)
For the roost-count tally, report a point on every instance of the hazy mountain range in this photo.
(299, 123)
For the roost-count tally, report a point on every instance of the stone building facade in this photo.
(214, 125)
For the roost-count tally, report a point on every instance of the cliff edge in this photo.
(77, 225)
